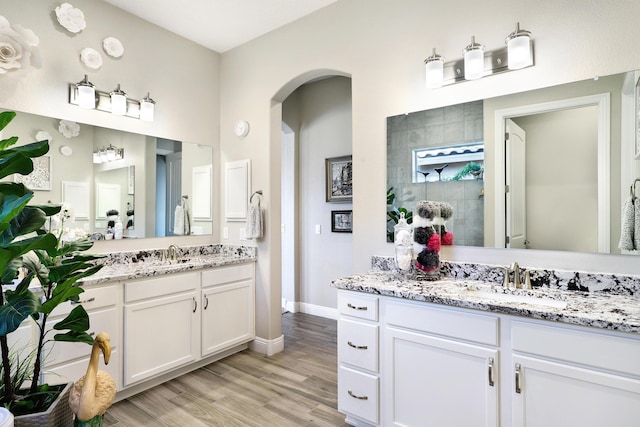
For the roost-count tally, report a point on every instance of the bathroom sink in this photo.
(518, 296)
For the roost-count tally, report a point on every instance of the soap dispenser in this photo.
(403, 235)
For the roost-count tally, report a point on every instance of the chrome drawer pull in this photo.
(356, 308)
(359, 347)
(518, 389)
(357, 397)
(491, 382)
(92, 299)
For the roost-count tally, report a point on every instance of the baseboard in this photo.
(268, 347)
(290, 306)
(318, 310)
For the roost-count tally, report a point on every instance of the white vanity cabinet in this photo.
(162, 324)
(66, 362)
(228, 307)
(441, 366)
(358, 358)
(568, 376)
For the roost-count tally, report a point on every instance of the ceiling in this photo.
(220, 25)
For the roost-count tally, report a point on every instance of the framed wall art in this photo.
(342, 221)
(40, 178)
(338, 172)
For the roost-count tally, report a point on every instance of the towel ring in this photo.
(633, 188)
(259, 193)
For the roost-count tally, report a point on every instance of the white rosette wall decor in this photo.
(19, 52)
(71, 18)
(113, 47)
(91, 58)
(69, 129)
(43, 135)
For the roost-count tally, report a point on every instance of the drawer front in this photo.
(599, 350)
(358, 344)
(358, 394)
(472, 327)
(222, 275)
(358, 305)
(160, 286)
(91, 299)
(71, 372)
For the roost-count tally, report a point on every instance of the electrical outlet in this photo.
(225, 232)
(318, 229)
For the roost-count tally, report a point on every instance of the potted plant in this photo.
(53, 266)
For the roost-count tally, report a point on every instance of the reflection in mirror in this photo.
(144, 186)
(574, 167)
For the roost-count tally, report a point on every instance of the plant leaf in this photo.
(18, 306)
(73, 336)
(76, 321)
(5, 119)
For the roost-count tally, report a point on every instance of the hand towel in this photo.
(178, 221)
(630, 225)
(254, 221)
(636, 223)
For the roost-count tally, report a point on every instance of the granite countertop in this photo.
(154, 267)
(595, 309)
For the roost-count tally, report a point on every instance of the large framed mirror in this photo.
(567, 187)
(106, 175)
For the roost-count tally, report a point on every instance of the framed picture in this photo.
(40, 178)
(338, 179)
(342, 221)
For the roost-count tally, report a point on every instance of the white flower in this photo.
(43, 135)
(113, 47)
(70, 18)
(69, 129)
(19, 51)
(91, 58)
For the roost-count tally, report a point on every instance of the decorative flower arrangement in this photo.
(113, 47)
(69, 129)
(71, 18)
(43, 135)
(19, 51)
(91, 58)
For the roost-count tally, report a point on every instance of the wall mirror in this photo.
(143, 178)
(555, 184)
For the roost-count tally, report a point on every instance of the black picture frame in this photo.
(338, 171)
(342, 221)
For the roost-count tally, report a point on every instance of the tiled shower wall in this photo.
(452, 125)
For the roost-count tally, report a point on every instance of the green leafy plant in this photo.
(51, 268)
(467, 170)
(393, 214)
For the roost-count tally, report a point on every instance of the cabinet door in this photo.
(227, 316)
(160, 334)
(551, 394)
(432, 381)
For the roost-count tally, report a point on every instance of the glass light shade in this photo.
(434, 68)
(103, 156)
(86, 95)
(474, 63)
(147, 107)
(111, 154)
(519, 49)
(118, 102)
(96, 157)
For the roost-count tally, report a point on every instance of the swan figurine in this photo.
(92, 394)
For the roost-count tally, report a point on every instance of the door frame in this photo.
(603, 102)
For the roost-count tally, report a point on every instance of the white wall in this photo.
(382, 46)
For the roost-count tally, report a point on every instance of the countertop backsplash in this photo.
(551, 279)
(155, 255)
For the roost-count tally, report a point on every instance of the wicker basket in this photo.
(58, 415)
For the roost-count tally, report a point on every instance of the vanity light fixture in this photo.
(118, 101)
(434, 67)
(84, 94)
(473, 60)
(109, 154)
(478, 62)
(147, 107)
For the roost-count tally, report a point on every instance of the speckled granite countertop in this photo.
(137, 265)
(600, 310)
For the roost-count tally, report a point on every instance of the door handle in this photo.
(518, 372)
(359, 347)
(491, 380)
(356, 396)
(195, 304)
(206, 302)
(356, 308)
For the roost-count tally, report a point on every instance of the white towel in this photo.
(630, 225)
(254, 221)
(178, 221)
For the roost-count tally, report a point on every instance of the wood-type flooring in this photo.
(296, 387)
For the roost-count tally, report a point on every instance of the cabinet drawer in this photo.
(576, 346)
(91, 299)
(73, 371)
(358, 344)
(160, 286)
(222, 275)
(472, 327)
(358, 394)
(358, 305)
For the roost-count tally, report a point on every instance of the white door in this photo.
(438, 382)
(516, 206)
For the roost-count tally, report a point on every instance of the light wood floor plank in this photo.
(294, 388)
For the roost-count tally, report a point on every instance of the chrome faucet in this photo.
(173, 252)
(515, 268)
